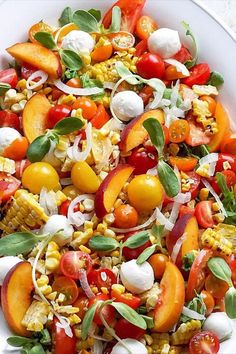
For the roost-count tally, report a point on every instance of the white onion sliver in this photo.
(136, 228)
(85, 285)
(174, 94)
(65, 324)
(156, 101)
(174, 213)
(211, 190)
(108, 85)
(97, 347)
(42, 199)
(192, 314)
(182, 198)
(211, 170)
(38, 73)
(181, 68)
(177, 247)
(65, 181)
(51, 202)
(163, 220)
(78, 218)
(77, 91)
(213, 157)
(152, 171)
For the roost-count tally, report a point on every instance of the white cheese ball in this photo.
(6, 263)
(7, 136)
(59, 223)
(78, 41)
(127, 105)
(137, 278)
(219, 324)
(134, 345)
(164, 42)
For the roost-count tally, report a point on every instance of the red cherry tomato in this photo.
(125, 329)
(142, 159)
(232, 264)
(203, 213)
(230, 179)
(150, 65)
(73, 263)
(223, 159)
(68, 287)
(204, 343)
(17, 150)
(132, 253)
(57, 113)
(100, 118)
(141, 48)
(195, 181)
(199, 75)
(183, 55)
(146, 93)
(8, 186)
(126, 298)
(108, 311)
(197, 136)
(102, 278)
(63, 209)
(62, 344)
(9, 76)
(27, 70)
(9, 119)
(185, 210)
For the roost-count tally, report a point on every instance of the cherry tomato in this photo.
(142, 159)
(183, 55)
(8, 186)
(141, 48)
(150, 65)
(38, 27)
(57, 113)
(9, 119)
(100, 118)
(220, 304)
(211, 103)
(228, 145)
(27, 70)
(17, 150)
(216, 287)
(183, 163)
(126, 298)
(204, 214)
(125, 216)
(61, 342)
(108, 311)
(146, 93)
(102, 278)
(87, 105)
(158, 262)
(197, 136)
(9, 76)
(199, 75)
(125, 329)
(56, 94)
(172, 73)
(204, 343)
(102, 53)
(208, 301)
(195, 181)
(166, 134)
(63, 209)
(185, 210)
(179, 130)
(82, 304)
(122, 40)
(68, 287)
(230, 179)
(73, 263)
(145, 26)
(75, 82)
(225, 159)
(132, 253)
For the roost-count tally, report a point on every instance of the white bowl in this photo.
(217, 46)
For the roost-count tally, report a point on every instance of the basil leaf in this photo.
(71, 59)
(216, 79)
(4, 87)
(146, 254)
(37, 349)
(87, 321)
(46, 39)
(85, 21)
(67, 126)
(130, 315)
(230, 302)
(149, 321)
(168, 178)
(155, 131)
(190, 63)
(18, 341)
(102, 243)
(138, 239)
(17, 243)
(123, 71)
(116, 20)
(220, 269)
(38, 148)
(66, 16)
(96, 13)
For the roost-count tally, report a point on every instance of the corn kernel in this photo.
(101, 228)
(43, 280)
(148, 339)
(61, 297)
(226, 165)
(215, 207)
(52, 264)
(94, 289)
(84, 249)
(119, 288)
(52, 296)
(88, 225)
(203, 194)
(109, 233)
(104, 290)
(115, 253)
(219, 217)
(74, 319)
(45, 289)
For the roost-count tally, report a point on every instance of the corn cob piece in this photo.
(161, 345)
(36, 316)
(217, 242)
(185, 332)
(7, 165)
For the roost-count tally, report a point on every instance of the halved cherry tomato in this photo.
(102, 53)
(183, 55)
(141, 48)
(8, 186)
(230, 179)
(122, 40)
(216, 287)
(38, 27)
(179, 130)
(197, 136)
(27, 70)
(73, 263)
(68, 287)
(125, 329)
(172, 73)
(146, 93)
(57, 113)
(199, 75)
(75, 82)
(126, 298)
(185, 210)
(126, 216)
(204, 343)
(228, 145)
(225, 159)
(158, 262)
(100, 118)
(150, 65)
(203, 213)
(61, 342)
(130, 13)
(9, 76)
(145, 26)
(183, 163)
(142, 159)
(88, 106)
(166, 134)
(211, 103)
(17, 150)
(63, 209)
(82, 304)
(108, 311)
(103, 277)
(195, 181)
(133, 253)
(209, 301)
(9, 119)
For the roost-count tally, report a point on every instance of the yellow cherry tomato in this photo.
(39, 175)
(145, 192)
(71, 191)
(84, 178)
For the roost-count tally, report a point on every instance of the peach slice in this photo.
(34, 118)
(134, 133)
(222, 120)
(37, 56)
(16, 296)
(110, 188)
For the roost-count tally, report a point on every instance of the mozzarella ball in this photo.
(165, 42)
(127, 105)
(134, 345)
(137, 278)
(79, 42)
(219, 324)
(6, 263)
(7, 136)
(59, 223)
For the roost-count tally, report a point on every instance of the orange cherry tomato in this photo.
(122, 40)
(171, 73)
(102, 53)
(38, 27)
(179, 130)
(211, 103)
(17, 150)
(146, 93)
(216, 287)
(126, 216)
(145, 26)
(75, 82)
(68, 287)
(100, 118)
(82, 304)
(220, 304)
(183, 163)
(158, 262)
(88, 106)
(208, 301)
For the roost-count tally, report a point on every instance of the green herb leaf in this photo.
(85, 21)
(44, 337)
(38, 148)
(116, 20)
(18, 341)
(17, 243)
(149, 321)
(67, 126)
(102, 243)
(37, 349)
(188, 260)
(4, 88)
(123, 71)
(146, 254)
(88, 320)
(190, 63)
(70, 74)
(196, 304)
(138, 239)
(216, 79)
(130, 315)
(168, 179)
(66, 16)
(71, 59)
(230, 302)
(155, 131)
(87, 82)
(220, 269)
(158, 232)
(46, 39)
(96, 13)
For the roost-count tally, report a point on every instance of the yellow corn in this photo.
(104, 290)
(60, 197)
(203, 170)
(118, 288)
(81, 238)
(84, 249)
(7, 165)
(52, 257)
(67, 99)
(203, 194)
(74, 319)
(185, 332)
(21, 85)
(214, 240)
(36, 316)
(43, 280)
(85, 344)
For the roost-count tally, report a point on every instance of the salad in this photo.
(117, 189)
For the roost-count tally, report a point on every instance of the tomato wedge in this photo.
(126, 298)
(9, 119)
(125, 329)
(230, 179)
(8, 186)
(203, 213)
(184, 164)
(141, 47)
(199, 75)
(223, 160)
(100, 118)
(62, 343)
(108, 311)
(183, 55)
(145, 26)
(103, 277)
(197, 135)
(204, 343)
(9, 76)
(73, 263)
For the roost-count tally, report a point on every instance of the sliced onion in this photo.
(211, 190)
(97, 347)
(174, 94)
(65, 181)
(211, 170)
(160, 217)
(85, 285)
(213, 157)
(182, 198)
(181, 68)
(73, 151)
(136, 228)
(48, 201)
(108, 85)
(36, 74)
(152, 171)
(77, 218)
(156, 101)
(77, 91)
(192, 314)
(174, 212)
(177, 247)
(65, 324)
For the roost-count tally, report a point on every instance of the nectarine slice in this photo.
(16, 296)
(110, 188)
(37, 56)
(34, 120)
(223, 123)
(192, 233)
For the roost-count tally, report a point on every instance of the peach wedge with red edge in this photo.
(37, 56)
(34, 120)
(110, 188)
(16, 296)
(134, 133)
